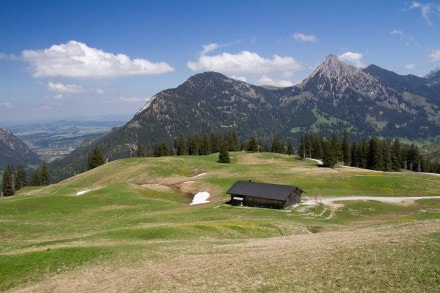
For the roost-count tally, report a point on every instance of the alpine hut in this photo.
(256, 194)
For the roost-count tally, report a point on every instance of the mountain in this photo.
(14, 151)
(335, 97)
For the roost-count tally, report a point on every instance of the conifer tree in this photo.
(290, 150)
(216, 142)
(140, 150)
(36, 177)
(96, 158)
(346, 149)
(396, 155)
(45, 174)
(21, 180)
(161, 150)
(182, 146)
(223, 156)
(302, 148)
(8, 181)
(277, 145)
(386, 155)
(205, 144)
(253, 145)
(375, 154)
(232, 141)
(329, 158)
(194, 145)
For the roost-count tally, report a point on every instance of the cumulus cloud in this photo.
(131, 99)
(305, 38)
(6, 105)
(352, 58)
(77, 60)
(427, 9)
(244, 61)
(265, 80)
(64, 88)
(434, 56)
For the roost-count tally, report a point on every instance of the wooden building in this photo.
(264, 195)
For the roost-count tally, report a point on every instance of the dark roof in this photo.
(263, 190)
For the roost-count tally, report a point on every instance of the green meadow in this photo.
(133, 229)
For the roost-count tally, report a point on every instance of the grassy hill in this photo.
(132, 229)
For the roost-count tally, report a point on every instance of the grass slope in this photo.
(134, 230)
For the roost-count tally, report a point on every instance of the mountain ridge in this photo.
(334, 98)
(13, 151)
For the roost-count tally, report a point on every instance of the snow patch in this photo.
(83, 192)
(201, 174)
(319, 162)
(200, 198)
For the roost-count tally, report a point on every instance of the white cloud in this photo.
(410, 66)
(265, 80)
(99, 91)
(6, 105)
(209, 48)
(403, 36)
(305, 38)
(427, 9)
(240, 78)
(434, 56)
(77, 60)
(352, 58)
(131, 99)
(64, 88)
(244, 61)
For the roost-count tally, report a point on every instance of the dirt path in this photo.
(396, 200)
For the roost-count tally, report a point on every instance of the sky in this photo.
(91, 58)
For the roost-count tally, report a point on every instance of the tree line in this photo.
(14, 179)
(374, 153)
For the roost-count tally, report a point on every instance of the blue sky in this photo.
(70, 59)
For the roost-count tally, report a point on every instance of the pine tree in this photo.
(205, 144)
(232, 141)
(290, 150)
(8, 181)
(396, 155)
(21, 180)
(36, 177)
(253, 145)
(194, 145)
(346, 149)
(277, 145)
(182, 146)
(45, 174)
(386, 154)
(329, 158)
(302, 148)
(375, 154)
(161, 150)
(216, 141)
(96, 158)
(223, 156)
(140, 150)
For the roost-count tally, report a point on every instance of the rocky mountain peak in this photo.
(334, 77)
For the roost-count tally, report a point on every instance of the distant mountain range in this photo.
(14, 151)
(334, 98)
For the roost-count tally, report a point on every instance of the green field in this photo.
(134, 230)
